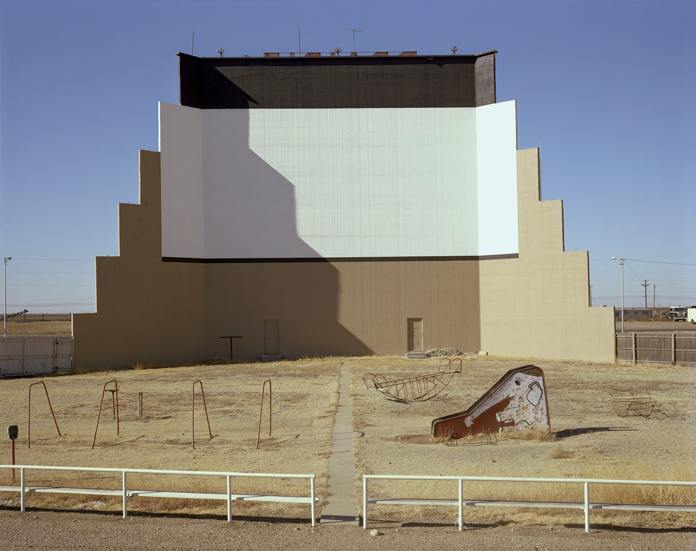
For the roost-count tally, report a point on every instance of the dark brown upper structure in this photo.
(337, 82)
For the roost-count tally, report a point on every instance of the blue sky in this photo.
(606, 88)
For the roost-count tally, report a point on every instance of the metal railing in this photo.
(586, 505)
(23, 489)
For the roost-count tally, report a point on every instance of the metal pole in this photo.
(13, 459)
(125, 496)
(364, 502)
(587, 506)
(461, 507)
(622, 295)
(4, 317)
(21, 491)
(229, 499)
(313, 493)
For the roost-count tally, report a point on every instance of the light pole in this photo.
(621, 261)
(4, 317)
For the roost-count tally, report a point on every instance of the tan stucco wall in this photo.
(532, 306)
(538, 304)
(352, 308)
(146, 310)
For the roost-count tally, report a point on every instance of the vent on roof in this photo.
(409, 53)
(271, 54)
(313, 54)
(380, 54)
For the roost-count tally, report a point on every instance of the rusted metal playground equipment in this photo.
(516, 402)
(50, 407)
(625, 401)
(415, 389)
(270, 410)
(193, 417)
(114, 407)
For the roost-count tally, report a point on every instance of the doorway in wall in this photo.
(415, 335)
(271, 337)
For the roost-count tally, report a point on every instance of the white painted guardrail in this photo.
(461, 502)
(23, 489)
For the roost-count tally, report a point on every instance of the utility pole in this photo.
(4, 317)
(645, 284)
(591, 295)
(653, 301)
(621, 261)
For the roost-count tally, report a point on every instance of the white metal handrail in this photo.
(189, 495)
(586, 505)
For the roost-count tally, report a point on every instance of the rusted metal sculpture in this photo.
(516, 402)
(415, 389)
(50, 407)
(625, 401)
(114, 407)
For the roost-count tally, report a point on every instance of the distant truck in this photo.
(677, 313)
(691, 315)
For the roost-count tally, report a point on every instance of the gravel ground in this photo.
(69, 530)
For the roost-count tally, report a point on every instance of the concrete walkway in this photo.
(340, 510)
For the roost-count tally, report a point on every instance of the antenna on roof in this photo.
(192, 36)
(354, 31)
(220, 51)
(454, 50)
(337, 51)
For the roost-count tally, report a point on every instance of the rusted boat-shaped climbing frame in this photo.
(416, 389)
(516, 402)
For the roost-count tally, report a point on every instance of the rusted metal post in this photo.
(193, 417)
(270, 410)
(13, 460)
(49, 405)
(140, 404)
(114, 396)
(635, 349)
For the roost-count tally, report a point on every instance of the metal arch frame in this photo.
(193, 418)
(270, 405)
(114, 406)
(29, 412)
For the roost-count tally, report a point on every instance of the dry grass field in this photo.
(587, 439)
(304, 402)
(38, 328)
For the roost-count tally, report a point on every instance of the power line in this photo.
(56, 259)
(51, 285)
(51, 273)
(659, 262)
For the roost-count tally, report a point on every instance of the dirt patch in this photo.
(587, 440)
